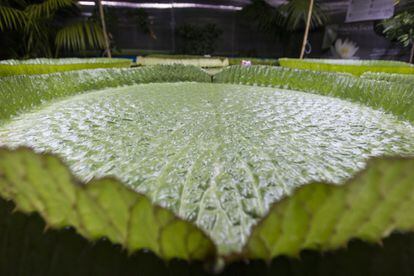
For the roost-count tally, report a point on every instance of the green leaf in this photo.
(397, 78)
(296, 12)
(80, 36)
(11, 19)
(241, 153)
(103, 208)
(355, 67)
(324, 217)
(47, 8)
(37, 66)
(223, 170)
(396, 97)
(291, 15)
(22, 93)
(400, 27)
(27, 248)
(318, 216)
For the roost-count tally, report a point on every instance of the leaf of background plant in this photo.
(80, 35)
(11, 18)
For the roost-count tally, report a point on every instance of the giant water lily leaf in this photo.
(317, 216)
(397, 78)
(356, 67)
(209, 152)
(393, 97)
(215, 155)
(325, 217)
(23, 93)
(103, 208)
(13, 67)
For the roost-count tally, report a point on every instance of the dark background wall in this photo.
(239, 38)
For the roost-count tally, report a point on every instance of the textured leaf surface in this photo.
(217, 155)
(22, 93)
(232, 60)
(355, 67)
(398, 78)
(325, 217)
(103, 208)
(45, 66)
(396, 98)
(199, 62)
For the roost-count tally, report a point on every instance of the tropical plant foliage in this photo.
(263, 16)
(295, 13)
(284, 19)
(38, 30)
(317, 216)
(198, 40)
(289, 16)
(401, 28)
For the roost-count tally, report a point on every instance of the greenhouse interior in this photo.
(207, 137)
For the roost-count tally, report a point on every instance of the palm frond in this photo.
(79, 36)
(290, 15)
(296, 11)
(11, 18)
(47, 8)
(263, 16)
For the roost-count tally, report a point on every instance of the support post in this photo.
(308, 23)
(105, 33)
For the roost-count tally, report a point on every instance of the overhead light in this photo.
(161, 5)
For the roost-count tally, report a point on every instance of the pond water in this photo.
(216, 154)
